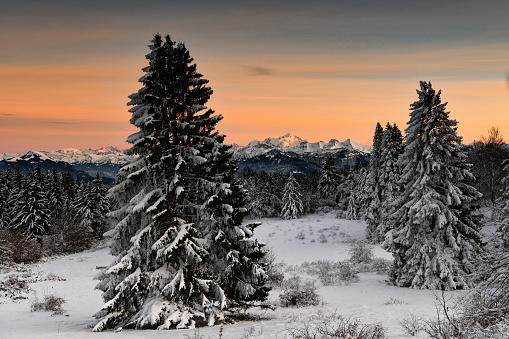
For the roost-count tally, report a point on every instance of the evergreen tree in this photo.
(352, 210)
(330, 177)
(91, 206)
(389, 174)
(5, 191)
(435, 234)
(56, 201)
(292, 199)
(372, 199)
(182, 251)
(30, 214)
(504, 202)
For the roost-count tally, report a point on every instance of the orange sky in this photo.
(65, 84)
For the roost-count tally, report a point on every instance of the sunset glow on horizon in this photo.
(319, 71)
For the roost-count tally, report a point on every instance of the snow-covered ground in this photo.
(311, 238)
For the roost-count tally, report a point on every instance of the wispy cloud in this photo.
(258, 70)
(7, 115)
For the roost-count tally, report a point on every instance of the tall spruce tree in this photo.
(182, 253)
(371, 196)
(389, 175)
(5, 191)
(292, 199)
(435, 235)
(330, 177)
(30, 213)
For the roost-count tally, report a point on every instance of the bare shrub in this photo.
(50, 303)
(16, 248)
(360, 252)
(331, 273)
(412, 325)
(300, 294)
(77, 239)
(341, 327)
(300, 235)
(394, 301)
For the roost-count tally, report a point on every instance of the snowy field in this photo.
(311, 238)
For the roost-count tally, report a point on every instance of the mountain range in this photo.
(284, 154)
(290, 153)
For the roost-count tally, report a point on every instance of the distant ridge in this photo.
(285, 154)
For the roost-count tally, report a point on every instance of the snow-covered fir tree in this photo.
(182, 253)
(504, 202)
(435, 235)
(292, 199)
(56, 201)
(92, 205)
(388, 178)
(330, 177)
(371, 195)
(355, 209)
(30, 214)
(5, 190)
(352, 209)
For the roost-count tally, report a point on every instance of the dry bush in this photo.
(340, 327)
(331, 273)
(360, 252)
(412, 325)
(299, 294)
(77, 239)
(50, 303)
(16, 248)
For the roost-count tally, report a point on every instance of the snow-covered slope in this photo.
(293, 242)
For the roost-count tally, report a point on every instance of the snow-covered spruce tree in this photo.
(183, 254)
(330, 177)
(92, 205)
(389, 175)
(292, 200)
(504, 204)
(30, 213)
(371, 195)
(56, 201)
(435, 235)
(5, 191)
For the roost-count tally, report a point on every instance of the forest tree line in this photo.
(50, 213)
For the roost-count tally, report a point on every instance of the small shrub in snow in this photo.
(197, 335)
(298, 294)
(394, 301)
(360, 252)
(411, 325)
(340, 327)
(323, 238)
(331, 273)
(50, 303)
(300, 235)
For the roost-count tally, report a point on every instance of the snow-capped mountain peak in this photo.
(32, 156)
